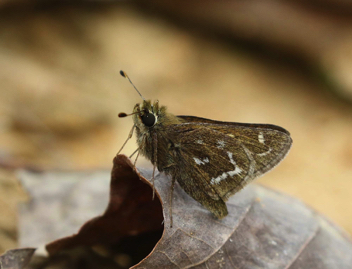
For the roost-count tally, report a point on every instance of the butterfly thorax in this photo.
(151, 122)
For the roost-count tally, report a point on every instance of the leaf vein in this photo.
(306, 243)
(162, 252)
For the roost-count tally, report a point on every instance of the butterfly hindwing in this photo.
(194, 181)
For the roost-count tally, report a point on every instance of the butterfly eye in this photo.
(148, 119)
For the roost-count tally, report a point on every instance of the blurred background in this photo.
(287, 63)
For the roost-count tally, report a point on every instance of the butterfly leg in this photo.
(134, 152)
(171, 198)
(128, 138)
(135, 161)
(155, 153)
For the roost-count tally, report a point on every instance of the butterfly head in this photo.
(149, 115)
(146, 114)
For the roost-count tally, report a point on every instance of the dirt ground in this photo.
(61, 92)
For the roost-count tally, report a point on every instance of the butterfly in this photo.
(211, 160)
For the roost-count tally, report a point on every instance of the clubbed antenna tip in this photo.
(122, 73)
(122, 115)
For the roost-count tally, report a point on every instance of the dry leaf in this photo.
(131, 211)
(16, 258)
(264, 229)
(60, 203)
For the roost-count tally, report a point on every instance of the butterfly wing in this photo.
(219, 158)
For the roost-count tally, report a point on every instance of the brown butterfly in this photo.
(211, 160)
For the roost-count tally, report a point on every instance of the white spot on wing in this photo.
(224, 175)
(199, 141)
(221, 144)
(218, 179)
(235, 172)
(230, 157)
(261, 138)
(264, 153)
(237, 169)
(199, 161)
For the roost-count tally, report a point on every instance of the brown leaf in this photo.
(131, 211)
(16, 258)
(264, 229)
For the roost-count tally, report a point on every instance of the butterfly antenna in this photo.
(123, 115)
(122, 73)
